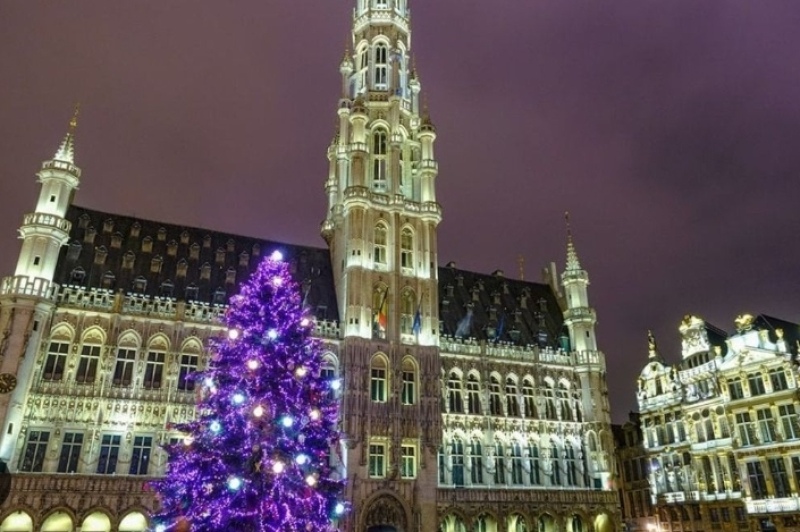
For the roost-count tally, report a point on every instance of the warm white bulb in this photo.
(258, 411)
(234, 483)
(278, 467)
(277, 281)
(336, 384)
(315, 414)
(305, 322)
(252, 364)
(301, 371)
(277, 256)
(302, 459)
(233, 334)
(311, 480)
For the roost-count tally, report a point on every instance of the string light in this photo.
(238, 398)
(258, 411)
(234, 483)
(315, 414)
(252, 364)
(272, 334)
(276, 256)
(233, 334)
(215, 427)
(301, 371)
(287, 421)
(278, 467)
(311, 480)
(302, 459)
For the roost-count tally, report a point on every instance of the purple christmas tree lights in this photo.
(257, 456)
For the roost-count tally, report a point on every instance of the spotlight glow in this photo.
(302, 459)
(339, 509)
(336, 384)
(215, 427)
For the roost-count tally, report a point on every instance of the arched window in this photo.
(529, 399)
(407, 310)
(555, 469)
(379, 164)
(499, 464)
(564, 403)
(549, 401)
(535, 472)
(476, 461)
(378, 384)
(473, 395)
(516, 463)
(154, 365)
(457, 457)
(512, 403)
(495, 401)
(89, 360)
(571, 465)
(409, 395)
(379, 251)
(455, 400)
(381, 79)
(407, 249)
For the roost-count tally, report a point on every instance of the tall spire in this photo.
(573, 263)
(66, 152)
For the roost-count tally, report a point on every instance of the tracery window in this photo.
(407, 311)
(407, 249)
(495, 401)
(529, 399)
(379, 250)
(379, 163)
(512, 402)
(516, 464)
(378, 380)
(476, 461)
(499, 464)
(455, 401)
(87, 366)
(457, 461)
(56, 361)
(409, 393)
(473, 395)
(380, 80)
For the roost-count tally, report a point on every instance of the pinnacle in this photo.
(573, 263)
(66, 151)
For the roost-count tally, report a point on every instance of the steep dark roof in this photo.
(529, 312)
(791, 331)
(158, 259)
(213, 263)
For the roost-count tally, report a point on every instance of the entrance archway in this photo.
(385, 514)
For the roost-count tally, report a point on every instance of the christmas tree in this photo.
(257, 456)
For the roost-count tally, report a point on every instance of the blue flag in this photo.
(500, 328)
(417, 326)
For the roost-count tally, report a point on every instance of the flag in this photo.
(464, 325)
(381, 317)
(417, 326)
(501, 325)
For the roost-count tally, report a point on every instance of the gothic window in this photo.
(473, 395)
(499, 464)
(535, 472)
(377, 460)
(455, 400)
(109, 454)
(32, 459)
(564, 403)
(123, 369)
(512, 402)
(154, 370)
(555, 473)
(56, 361)
(516, 464)
(529, 399)
(379, 164)
(571, 466)
(407, 249)
(442, 466)
(476, 461)
(140, 457)
(495, 401)
(70, 452)
(408, 465)
(188, 366)
(407, 311)
(409, 396)
(87, 365)
(377, 379)
(549, 401)
(379, 252)
(328, 371)
(380, 80)
(457, 457)
(362, 67)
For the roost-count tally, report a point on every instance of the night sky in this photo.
(670, 130)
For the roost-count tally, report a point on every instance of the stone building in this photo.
(721, 427)
(470, 402)
(633, 486)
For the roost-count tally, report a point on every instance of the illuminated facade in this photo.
(470, 402)
(638, 513)
(721, 427)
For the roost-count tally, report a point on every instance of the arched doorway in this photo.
(96, 522)
(603, 523)
(58, 522)
(133, 522)
(385, 514)
(19, 521)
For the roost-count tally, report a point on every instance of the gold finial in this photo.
(73, 122)
(521, 263)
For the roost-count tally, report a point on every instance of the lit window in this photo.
(476, 461)
(409, 383)
(408, 467)
(457, 459)
(32, 459)
(379, 150)
(377, 460)
(407, 249)
(529, 399)
(377, 381)
(473, 395)
(407, 312)
(109, 454)
(499, 464)
(455, 400)
(495, 402)
(379, 252)
(512, 404)
(380, 80)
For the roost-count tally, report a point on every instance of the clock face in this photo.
(7, 382)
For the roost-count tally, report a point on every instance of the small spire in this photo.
(66, 152)
(652, 346)
(573, 264)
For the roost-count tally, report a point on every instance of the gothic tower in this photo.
(580, 319)
(381, 229)
(27, 298)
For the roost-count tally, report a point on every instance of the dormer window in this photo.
(136, 228)
(108, 225)
(108, 280)
(230, 276)
(379, 150)
(74, 250)
(182, 267)
(167, 288)
(244, 259)
(207, 241)
(205, 271)
(128, 260)
(155, 264)
(381, 68)
(191, 292)
(88, 237)
(162, 235)
(140, 284)
(194, 251)
(231, 245)
(147, 244)
(100, 255)
(381, 4)
(219, 296)
(185, 238)
(78, 275)
(172, 248)
(116, 240)
(256, 250)
(220, 255)
(83, 221)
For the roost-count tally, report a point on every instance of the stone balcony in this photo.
(22, 285)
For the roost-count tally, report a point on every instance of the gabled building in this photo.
(470, 402)
(721, 427)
